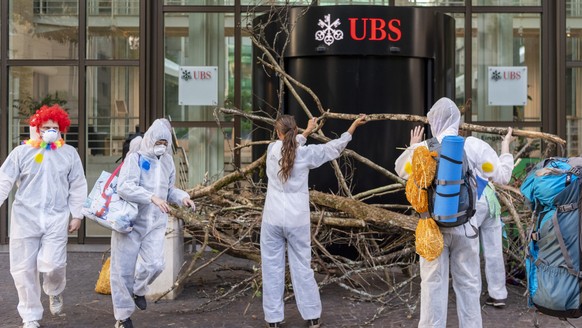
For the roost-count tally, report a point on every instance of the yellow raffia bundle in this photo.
(423, 166)
(429, 240)
(417, 197)
(103, 285)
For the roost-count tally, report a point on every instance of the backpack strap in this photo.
(475, 230)
(433, 144)
(563, 249)
(448, 182)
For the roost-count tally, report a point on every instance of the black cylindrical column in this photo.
(360, 59)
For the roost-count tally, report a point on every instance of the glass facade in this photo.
(573, 103)
(506, 40)
(114, 65)
(43, 29)
(112, 113)
(113, 29)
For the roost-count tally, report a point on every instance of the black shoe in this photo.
(314, 323)
(495, 303)
(274, 324)
(124, 323)
(140, 302)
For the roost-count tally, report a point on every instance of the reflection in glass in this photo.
(573, 30)
(199, 2)
(430, 2)
(573, 111)
(207, 151)
(43, 29)
(112, 115)
(506, 40)
(507, 2)
(113, 29)
(32, 86)
(459, 58)
(199, 39)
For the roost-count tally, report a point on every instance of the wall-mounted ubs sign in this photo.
(198, 85)
(365, 30)
(507, 86)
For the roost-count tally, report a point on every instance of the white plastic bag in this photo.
(104, 206)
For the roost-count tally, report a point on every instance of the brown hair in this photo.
(286, 125)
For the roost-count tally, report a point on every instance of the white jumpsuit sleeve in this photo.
(484, 160)
(77, 188)
(8, 174)
(128, 183)
(175, 195)
(323, 153)
(301, 140)
(403, 163)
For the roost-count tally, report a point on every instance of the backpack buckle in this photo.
(535, 236)
(576, 170)
(567, 207)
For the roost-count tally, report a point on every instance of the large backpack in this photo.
(467, 194)
(553, 253)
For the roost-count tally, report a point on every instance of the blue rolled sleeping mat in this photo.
(450, 171)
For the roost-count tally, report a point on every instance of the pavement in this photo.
(86, 308)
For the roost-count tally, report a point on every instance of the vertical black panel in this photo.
(356, 84)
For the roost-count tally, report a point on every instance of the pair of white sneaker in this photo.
(56, 307)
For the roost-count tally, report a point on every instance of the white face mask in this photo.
(159, 150)
(51, 135)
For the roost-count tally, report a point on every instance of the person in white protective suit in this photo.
(488, 217)
(51, 188)
(286, 218)
(461, 253)
(146, 178)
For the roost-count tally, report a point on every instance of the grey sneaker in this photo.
(495, 302)
(31, 324)
(124, 323)
(56, 304)
(314, 323)
(140, 302)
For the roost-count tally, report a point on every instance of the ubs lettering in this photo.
(511, 75)
(375, 29)
(202, 75)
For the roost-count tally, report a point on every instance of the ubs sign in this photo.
(373, 29)
(367, 30)
(507, 86)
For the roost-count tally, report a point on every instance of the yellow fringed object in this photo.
(423, 166)
(429, 239)
(417, 197)
(103, 285)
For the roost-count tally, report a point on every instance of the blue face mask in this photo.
(50, 135)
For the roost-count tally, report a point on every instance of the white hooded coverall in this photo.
(51, 187)
(488, 219)
(142, 175)
(460, 253)
(286, 223)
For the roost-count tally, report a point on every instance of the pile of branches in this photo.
(354, 242)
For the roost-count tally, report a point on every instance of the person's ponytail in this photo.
(286, 125)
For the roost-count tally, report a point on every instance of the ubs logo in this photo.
(505, 75)
(329, 32)
(370, 29)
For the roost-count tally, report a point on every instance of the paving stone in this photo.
(85, 308)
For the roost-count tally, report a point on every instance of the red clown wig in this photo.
(55, 113)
